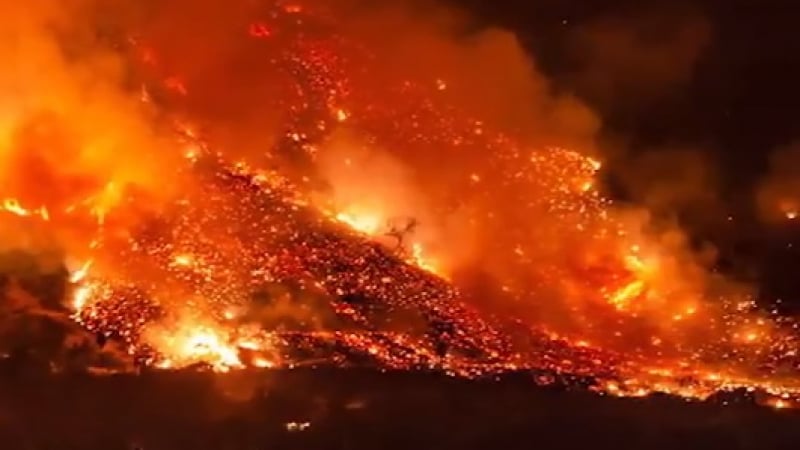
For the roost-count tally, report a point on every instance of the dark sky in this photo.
(720, 78)
(743, 94)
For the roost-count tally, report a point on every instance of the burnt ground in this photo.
(357, 409)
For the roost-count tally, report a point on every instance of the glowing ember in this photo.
(297, 426)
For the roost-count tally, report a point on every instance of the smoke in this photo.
(672, 181)
(633, 65)
(637, 58)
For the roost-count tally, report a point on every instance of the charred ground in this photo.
(353, 409)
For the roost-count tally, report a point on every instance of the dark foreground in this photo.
(330, 409)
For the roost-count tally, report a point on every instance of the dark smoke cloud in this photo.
(637, 57)
(632, 65)
(671, 180)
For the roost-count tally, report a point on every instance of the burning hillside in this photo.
(289, 188)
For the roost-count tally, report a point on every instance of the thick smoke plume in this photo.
(633, 65)
(637, 58)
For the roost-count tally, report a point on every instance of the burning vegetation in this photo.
(330, 183)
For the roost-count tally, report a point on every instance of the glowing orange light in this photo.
(176, 85)
(622, 298)
(78, 275)
(363, 223)
(183, 260)
(259, 30)
(13, 206)
(191, 343)
(418, 259)
(80, 297)
(293, 8)
(263, 363)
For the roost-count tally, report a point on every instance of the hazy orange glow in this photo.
(789, 209)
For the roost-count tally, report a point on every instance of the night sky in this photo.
(738, 102)
(717, 80)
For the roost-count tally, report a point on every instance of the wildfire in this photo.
(241, 263)
(191, 340)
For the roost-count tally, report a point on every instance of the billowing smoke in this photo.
(633, 65)
(636, 58)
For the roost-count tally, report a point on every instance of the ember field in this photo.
(352, 409)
